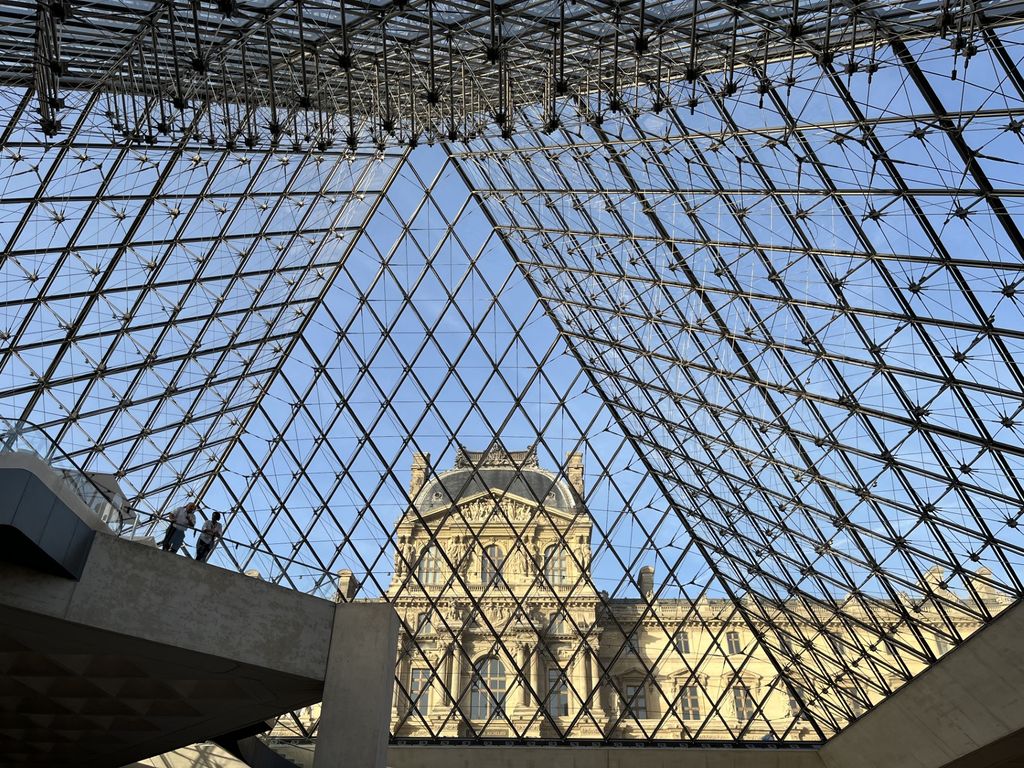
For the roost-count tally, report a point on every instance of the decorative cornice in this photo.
(496, 455)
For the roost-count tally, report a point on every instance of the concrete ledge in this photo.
(971, 699)
(149, 594)
(75, 696)
(150, 651)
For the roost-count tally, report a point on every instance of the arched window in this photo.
(429, 569)
(490, 568)
(555, 566)
(487, 693)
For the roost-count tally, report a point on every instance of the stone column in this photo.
(588, 663)
(455, 683)
(539, 673)
(579, 677)
(435, 700)
(400, 703)
(523, 660)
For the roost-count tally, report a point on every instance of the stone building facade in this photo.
(500, 532)
(504, 633)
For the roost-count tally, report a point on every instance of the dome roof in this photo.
(499, 471)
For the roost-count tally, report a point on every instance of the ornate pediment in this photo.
(479, 509)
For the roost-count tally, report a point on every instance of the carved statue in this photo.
(583, 555)
(399, 564)
(410, 552)
(456, 551)
(515, 564)
(524, 562)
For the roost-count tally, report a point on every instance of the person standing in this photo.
(181, 519)
(212, 531)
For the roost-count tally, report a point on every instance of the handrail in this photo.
(26, 437)
(156, 517)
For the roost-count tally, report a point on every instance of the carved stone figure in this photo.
(518, 512)
(514, 564)
(476, 511)
(498, 614)
(399, 550)
(524, 562)
(583, 555)
(410, 552)
(457, 550)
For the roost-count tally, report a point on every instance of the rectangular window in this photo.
(558, 694)
(689, 703)
(743, 702)
(419, 692)
(490, 567)
(555, 568)
(636, 701)
(732, 640)
(423, 625)
(429, 569)
(558, 623)
(682, 642)
(487, 691)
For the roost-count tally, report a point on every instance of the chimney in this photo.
(990, 598)
(418, 475)
(647, 582)
(574, 471)
(347, 586)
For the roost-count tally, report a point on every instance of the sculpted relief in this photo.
(486, 509)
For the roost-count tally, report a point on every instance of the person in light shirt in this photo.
(212, 531)
(181, 519)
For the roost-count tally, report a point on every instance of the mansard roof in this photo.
(500, 472)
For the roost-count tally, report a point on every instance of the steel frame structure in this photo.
(759, 262)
